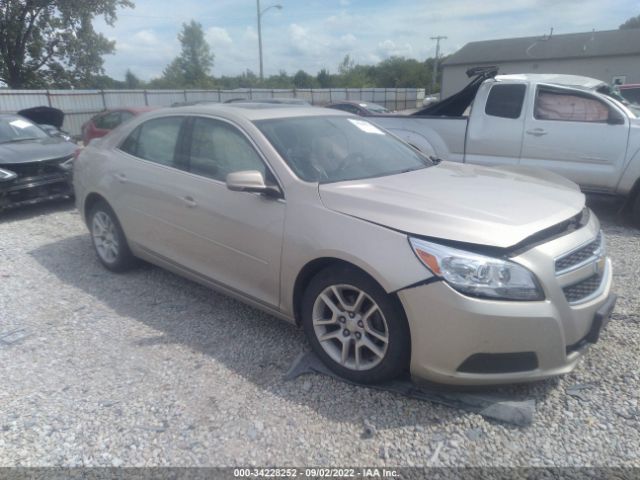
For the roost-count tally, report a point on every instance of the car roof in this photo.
(255, 111)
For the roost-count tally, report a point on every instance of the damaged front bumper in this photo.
(29, 184)
(457, 339)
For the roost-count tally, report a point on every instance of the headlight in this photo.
(477, 275)
(6, 175)
(67, 165)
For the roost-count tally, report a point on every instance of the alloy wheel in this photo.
(105, 237)
(350, 327)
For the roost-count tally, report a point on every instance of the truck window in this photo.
(505, 100)
(569, 107)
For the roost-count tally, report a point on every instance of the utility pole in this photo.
(260, 37)
(435, 63)
(260, 14)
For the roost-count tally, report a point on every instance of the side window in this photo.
(565, 106)
(108, 121)
(125, 116)
(506, 100)
(345, 108)
(218, 149)
(155, 140)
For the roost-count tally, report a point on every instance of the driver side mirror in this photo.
(251, 181)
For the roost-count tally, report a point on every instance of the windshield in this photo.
(334, 149)
(17, 129)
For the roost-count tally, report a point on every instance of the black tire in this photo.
(398, 348)
(635, 210)
(123, 260)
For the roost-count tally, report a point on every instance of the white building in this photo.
(606, 55)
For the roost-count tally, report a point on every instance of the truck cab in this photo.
(557, 122)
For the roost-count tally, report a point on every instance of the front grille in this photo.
(581, 256)
(36, 169)
(584, 289)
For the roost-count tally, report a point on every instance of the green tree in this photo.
(351, 75)
(633, 22)
(324, 78)
(400, 72)
(193, 67)
(131, 81)
(46, 42)
(303, 80)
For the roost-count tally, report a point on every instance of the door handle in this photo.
(122, 178)
(537, 132)
(189, 202)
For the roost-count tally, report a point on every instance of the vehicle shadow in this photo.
(611, 214)
(208, 322)
(37, 210)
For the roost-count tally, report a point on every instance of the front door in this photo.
(577, 135)
(235, 238)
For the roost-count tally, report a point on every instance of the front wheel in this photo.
(357, 329)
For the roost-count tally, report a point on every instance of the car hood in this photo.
(39, 150)
(463, 203)
(44, 116)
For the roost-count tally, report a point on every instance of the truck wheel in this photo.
(357, 329)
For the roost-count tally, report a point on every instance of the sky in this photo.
(315, 34)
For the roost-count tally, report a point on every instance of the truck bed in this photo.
(443, 137)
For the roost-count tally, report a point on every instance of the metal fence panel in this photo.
(121, 98)
(80, 105)
(15, 100)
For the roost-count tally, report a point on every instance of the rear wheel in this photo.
(356, 328)
(109, 240)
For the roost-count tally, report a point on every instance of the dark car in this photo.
(271, 101)
(106, 121)
(34, 165)
(49, 119)
(363, 109)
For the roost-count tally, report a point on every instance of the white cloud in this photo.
(146, 38)
(318, 34)
(389, 48)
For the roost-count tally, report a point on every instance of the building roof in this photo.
(546, 47)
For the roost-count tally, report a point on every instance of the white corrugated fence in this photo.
(80, 105)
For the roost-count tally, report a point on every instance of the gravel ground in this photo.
(146, 368)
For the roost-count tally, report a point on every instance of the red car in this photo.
(106, 121)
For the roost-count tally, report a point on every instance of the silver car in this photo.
(389, 260)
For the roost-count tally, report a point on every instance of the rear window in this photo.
(506, 100)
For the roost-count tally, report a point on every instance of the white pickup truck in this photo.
(571, 125)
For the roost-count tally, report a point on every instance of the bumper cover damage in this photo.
(36, 182)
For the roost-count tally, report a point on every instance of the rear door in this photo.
(148, 194)
(576, 134)
(494, 133)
